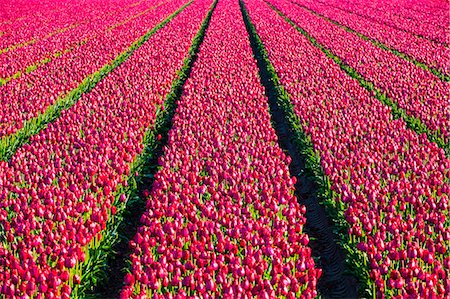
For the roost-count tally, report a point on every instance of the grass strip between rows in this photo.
(412, 122)
(377, 43)
(34, 40)
(95, 268)
(16, 46)
(34, 66)
(11, 143)
(356, 260)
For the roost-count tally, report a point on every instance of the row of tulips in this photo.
(419, 93)
(59, 194)
(27, 58)
(10, 143)
(390, 20)
(31, 94)
(425, 11)
(387, 187)
(383, 46)
(432, 54)
(24, 23)
(221, 219)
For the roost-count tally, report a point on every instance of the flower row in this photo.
(421, 94)
(58, 192)
(389, 17)
(424, 11)
(433, 54)
(22, 23)
(221, 219)
(94, 26)
(391, 184)
(24, 98)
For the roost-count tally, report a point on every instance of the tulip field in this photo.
(225, 149)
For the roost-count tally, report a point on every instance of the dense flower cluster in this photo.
(57, 192)
(426, 11)
(394, 185)
(93, 25)
(23, 24)
(433, 53)
(221, 219)
(32, 93)
(419, 92)
(390, 16)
